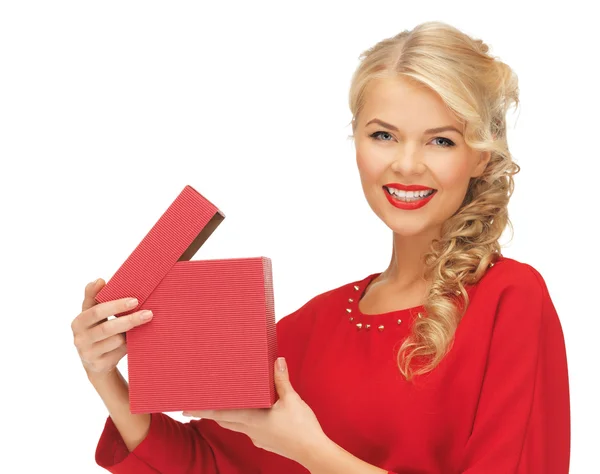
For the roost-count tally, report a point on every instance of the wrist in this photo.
(330, 458)
(102, 377)
(319, 455)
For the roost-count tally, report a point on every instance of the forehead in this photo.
(406, 104)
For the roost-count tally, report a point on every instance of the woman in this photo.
(451, 360)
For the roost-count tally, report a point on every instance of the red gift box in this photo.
(212, 342)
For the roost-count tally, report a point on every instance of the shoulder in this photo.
(508, 274)
(517, 291)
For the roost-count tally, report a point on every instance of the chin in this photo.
(409, 223)
(410, 227)
(426, 221)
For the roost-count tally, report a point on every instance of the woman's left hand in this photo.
(289, 428)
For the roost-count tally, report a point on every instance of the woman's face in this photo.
(401, 150)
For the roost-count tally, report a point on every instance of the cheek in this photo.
(453, 176)
(371, 166)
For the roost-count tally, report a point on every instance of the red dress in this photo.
(497, 403)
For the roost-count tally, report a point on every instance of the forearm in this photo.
(330, 458)
(114, 391)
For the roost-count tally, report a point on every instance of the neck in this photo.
(407, 265)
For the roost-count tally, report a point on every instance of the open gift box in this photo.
(212, 342)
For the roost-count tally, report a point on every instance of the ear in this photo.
(484, 159)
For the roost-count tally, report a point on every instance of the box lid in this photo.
(177, 235)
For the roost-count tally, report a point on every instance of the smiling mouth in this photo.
(409, 196)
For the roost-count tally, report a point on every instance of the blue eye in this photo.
(450, 142)
(376, 135)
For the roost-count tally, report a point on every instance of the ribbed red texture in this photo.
(158, 251)
(212, 341)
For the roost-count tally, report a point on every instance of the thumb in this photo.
(282, 378)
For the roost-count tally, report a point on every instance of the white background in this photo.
(108, 109)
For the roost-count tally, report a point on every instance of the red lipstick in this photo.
(408, 206)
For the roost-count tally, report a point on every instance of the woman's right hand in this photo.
(101, 342)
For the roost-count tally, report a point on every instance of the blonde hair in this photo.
(479, 89)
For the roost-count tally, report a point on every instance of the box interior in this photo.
(203, 236)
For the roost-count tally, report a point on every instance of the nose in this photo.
(408, 161)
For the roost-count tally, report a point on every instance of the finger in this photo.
(99, 313)
(282, 379)
(102, 311)
(209, 414)
(109, 344)
(229, 416)
(118, 325)
(113, 357)
(239, 427)
(106, 362)
(91, 290)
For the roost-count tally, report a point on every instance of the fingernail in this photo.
(132, 302)
(145, 315)
(94, 282)
(281, 365)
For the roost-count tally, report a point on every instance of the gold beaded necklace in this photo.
(359, 325)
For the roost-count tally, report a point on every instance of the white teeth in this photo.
(409, 195)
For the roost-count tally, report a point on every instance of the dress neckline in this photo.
(364, 285)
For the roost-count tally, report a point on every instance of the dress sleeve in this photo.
(170, 447)
(202, 446)
(522, 423)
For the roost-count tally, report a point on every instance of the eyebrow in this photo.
(430, 130)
